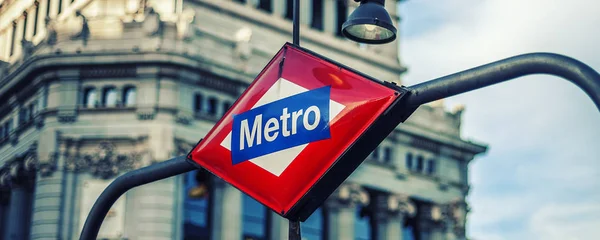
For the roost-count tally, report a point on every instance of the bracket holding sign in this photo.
(299, 130)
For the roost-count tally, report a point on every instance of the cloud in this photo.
(543, 131)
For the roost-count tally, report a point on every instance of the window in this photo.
(60, 6)
(387, 154)
(36, 17)
(212, 106)
(317, 15)
(409, 161)
(32, 109)
(226, 107)
(48, 6)
(289, 9)
(8, 127)
(23, 115)
(89, 97)
(362, 223)
(342, 14)
(408, 233)
(254, 219)
(314, 227)
(109, 97)
(431, 166)
(12, 39)
(240, 1)
(197, 205)
(197, 103)
(265, 5)
(129, 96)
(375, 153)
(419, 163)
(1, 137)
(24, 37)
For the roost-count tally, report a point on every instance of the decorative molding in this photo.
(348, 195)
(51, 35)
(402, 205)
(108, 72)
(27, 49)
(104, 163)
(19, 171)
(183, 147)
(83, 32)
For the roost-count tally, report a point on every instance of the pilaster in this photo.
(397, 209)
(341, 206)
(227, 214)
(19, 176)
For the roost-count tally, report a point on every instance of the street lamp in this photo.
(370, 23)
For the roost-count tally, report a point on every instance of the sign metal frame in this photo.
(353, 156)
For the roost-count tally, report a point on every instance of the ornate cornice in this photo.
(20, 171)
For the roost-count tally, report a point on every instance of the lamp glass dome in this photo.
(370, 23)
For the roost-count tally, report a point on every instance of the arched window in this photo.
(129, 96)
(197, 205)
(362, 223)
(109, 97)
(254, 219)
(314, 227)
(89, 97)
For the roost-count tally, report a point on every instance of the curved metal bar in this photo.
(128, 181)
(534, 63)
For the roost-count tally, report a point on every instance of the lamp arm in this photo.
(568, 68)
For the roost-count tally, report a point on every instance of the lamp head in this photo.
(370, 23)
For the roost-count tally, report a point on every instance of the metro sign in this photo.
(299, 130)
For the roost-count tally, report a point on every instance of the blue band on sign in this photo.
(286, 123)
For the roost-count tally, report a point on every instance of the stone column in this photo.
(341, 207)
(21, 178)
(227, 214)
(399, 207)
(4, 201)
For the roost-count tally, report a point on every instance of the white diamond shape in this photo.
(277, 162)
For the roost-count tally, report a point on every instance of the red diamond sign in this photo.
(300, 129)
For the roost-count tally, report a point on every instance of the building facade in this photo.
(90, 89)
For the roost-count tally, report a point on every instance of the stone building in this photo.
(90, 89)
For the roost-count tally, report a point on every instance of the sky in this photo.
(540, 178)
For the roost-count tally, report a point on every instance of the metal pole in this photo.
(296, 20)
(294, 226)
(128, 181)
(294, 232)
(534, 63)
